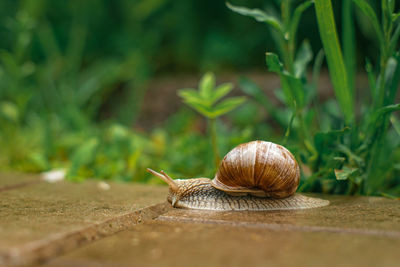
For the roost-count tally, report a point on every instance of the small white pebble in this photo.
(54, 176)
(103, 186)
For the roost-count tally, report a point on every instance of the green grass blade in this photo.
(394, 39)
(349, 42)
(396, 124)
(395, 16)
(371, 79)
(392, 78)
(327, 29)
(296, 19)
(370, 13)
(317, 67)
(378, 114)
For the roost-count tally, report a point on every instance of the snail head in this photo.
(174, 188)
(181, 188)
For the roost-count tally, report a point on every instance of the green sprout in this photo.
(206, 101)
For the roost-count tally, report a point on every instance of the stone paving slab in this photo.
(162, 243)
(364, 215)
(42, 220)
(10, 181)
(352, 231)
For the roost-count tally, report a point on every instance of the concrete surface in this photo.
(178, 244)
(10, 181)
(41, 220)
(352, 231)
(70, 224)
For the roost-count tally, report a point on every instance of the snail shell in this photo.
(259, 168)
(254, 176)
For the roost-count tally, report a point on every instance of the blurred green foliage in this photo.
(345, 153)
(73, 75)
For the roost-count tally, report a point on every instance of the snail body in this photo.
(254, 176)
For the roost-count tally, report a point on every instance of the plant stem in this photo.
(214, 143)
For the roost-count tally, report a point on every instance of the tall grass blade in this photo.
(349, 41)
(327, 29)
(371, 78)
(296, 19)
(370, 13)
(394, 39)
(392, 79)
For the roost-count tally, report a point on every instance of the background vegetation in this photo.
(73, 76)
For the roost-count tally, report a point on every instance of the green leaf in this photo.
(273, 62)
(370, 13)
(352, 157)
(304, 56)
(377, 115)
(200, 107)
(203, 100)
(227, 105)
(274, 65)
(258, 15)
(292, 87)
(206, 86)
(220, 92)
(191, 95)
(345, 173)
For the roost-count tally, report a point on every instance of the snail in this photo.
(258, 175)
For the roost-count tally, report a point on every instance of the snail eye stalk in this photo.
(165, 177)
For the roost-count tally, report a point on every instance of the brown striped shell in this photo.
(258, 168)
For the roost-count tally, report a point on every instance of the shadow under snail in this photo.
(254, 176)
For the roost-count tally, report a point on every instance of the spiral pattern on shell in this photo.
(258, 168)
